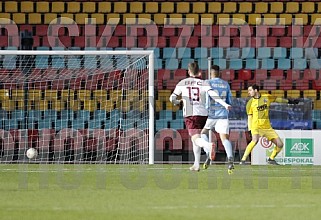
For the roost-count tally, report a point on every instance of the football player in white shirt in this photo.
(193, 91)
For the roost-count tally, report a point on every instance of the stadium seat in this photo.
(183, 7)
(284, 64)
(300, 64)
(296, 52)
(264, 52)
(199, 7)
(276, 7)
(214, 7)
(200, 52)
(310, 74)
(277, 74)
(169, 52)
(220, 62)
(183, 52)
(247, 53)
(311, 53)
(228, 75)
(244, 74)
(260, 74)
(293, 93)
(251, 64)
(269, 84)
(267, 64)
(42, 7)
(232, 53)
(279, 52)
(216, 52)
(235, 64)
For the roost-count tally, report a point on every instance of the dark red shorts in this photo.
(195, 124)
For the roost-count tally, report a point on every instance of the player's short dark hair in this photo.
(193, 67)
(255, 86)
(216, 68)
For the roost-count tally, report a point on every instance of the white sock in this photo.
(204, 144)
(228, 148)
(197, 155)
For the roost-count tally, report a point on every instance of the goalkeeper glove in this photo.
(294, 101)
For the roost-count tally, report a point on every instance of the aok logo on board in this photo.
(299, 147)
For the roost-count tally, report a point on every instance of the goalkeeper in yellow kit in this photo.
(259, 124)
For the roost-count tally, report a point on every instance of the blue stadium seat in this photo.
(18, 114)
(78, 123)
(11, 124)
(264, 52)
(34, 114)
(67, 114)
(200, 52)
(221, 63)
(166, 114)
(279, 52)
(45, 123)
(83, 114)
(61, 124)
(185, 62)
(50, 114)
(158, 64)
(171, 64)
(217, 52)
(126, 124)
(296, 52)
(267, 64)
(311, 53)
(203, 63)
(156, 51)
(42, 62)
(299, 64)
(95, 124)
(161, 123)
(169, 52)
(236, 64)
(100, 115)
(90, 61)
(315, 63)
(177, 124)
(284, 64)
(232, 53)
(3, 114)
(251, 64)
(184, 52)
(248, 52)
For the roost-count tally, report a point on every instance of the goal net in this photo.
(77, 106)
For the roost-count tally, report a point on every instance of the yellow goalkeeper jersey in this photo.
(259, 109)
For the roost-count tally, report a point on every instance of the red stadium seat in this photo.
(169, 32)
(120, 30)
(192, 42)
(286, 42)
(310, 74)
(278, 31)
(293, 74)
(244, 74)
(286, 84)
(260, 74)
(41, 30)
(276, 74)
(228, 74)
(294, 31)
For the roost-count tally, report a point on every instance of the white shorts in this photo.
(221, 126)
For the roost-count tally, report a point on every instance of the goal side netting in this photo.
(77, 106)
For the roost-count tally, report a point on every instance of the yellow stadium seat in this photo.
(183, 7)
(7, 17)
(233, 93)
(167, 7)
(151, 7)
(27, 6)
(318, 7)
(57, 105)
(41, 105)
(67, 95)
(170, 106)
(317, 105)
(83, 95)
(81, 18)
(285, 19)
(223, 19)
(238, 19)
(175, 19)
(244, 93)
(230, 7)
(34, 94)
(311, 94)
(293, 93)
(144, 18)
(67, 18)
(58, 7)
(245, 7)
(292, 7)
(136, 7)
(98, 17)
(73, 7)
(50, 18)
(270, 19)
(307, 7)
(104, 7)
(19, 104)
(120, 7)
(90, 105)
(100, 94)
(129, 18)
(198, 7)
(34, 18)
(300, 19)
(51, 95)
(107, 105)
(158, 105)
(207, 19)
(1, 10)
(278, 93)
(72, 105)
(261, 7)
(160, 18)
(42, 7)
(254, 19)
(8, 105)
(88, 7)
(214, 7)
(113, 18)
(114, 95)
(10, 6)
(192, 19)
(276, 7)
(19, 18)
(18, 94)
(4, 94)
(315, 19)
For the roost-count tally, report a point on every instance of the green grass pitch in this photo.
(39, 191)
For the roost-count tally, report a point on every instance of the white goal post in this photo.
(77, 106)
